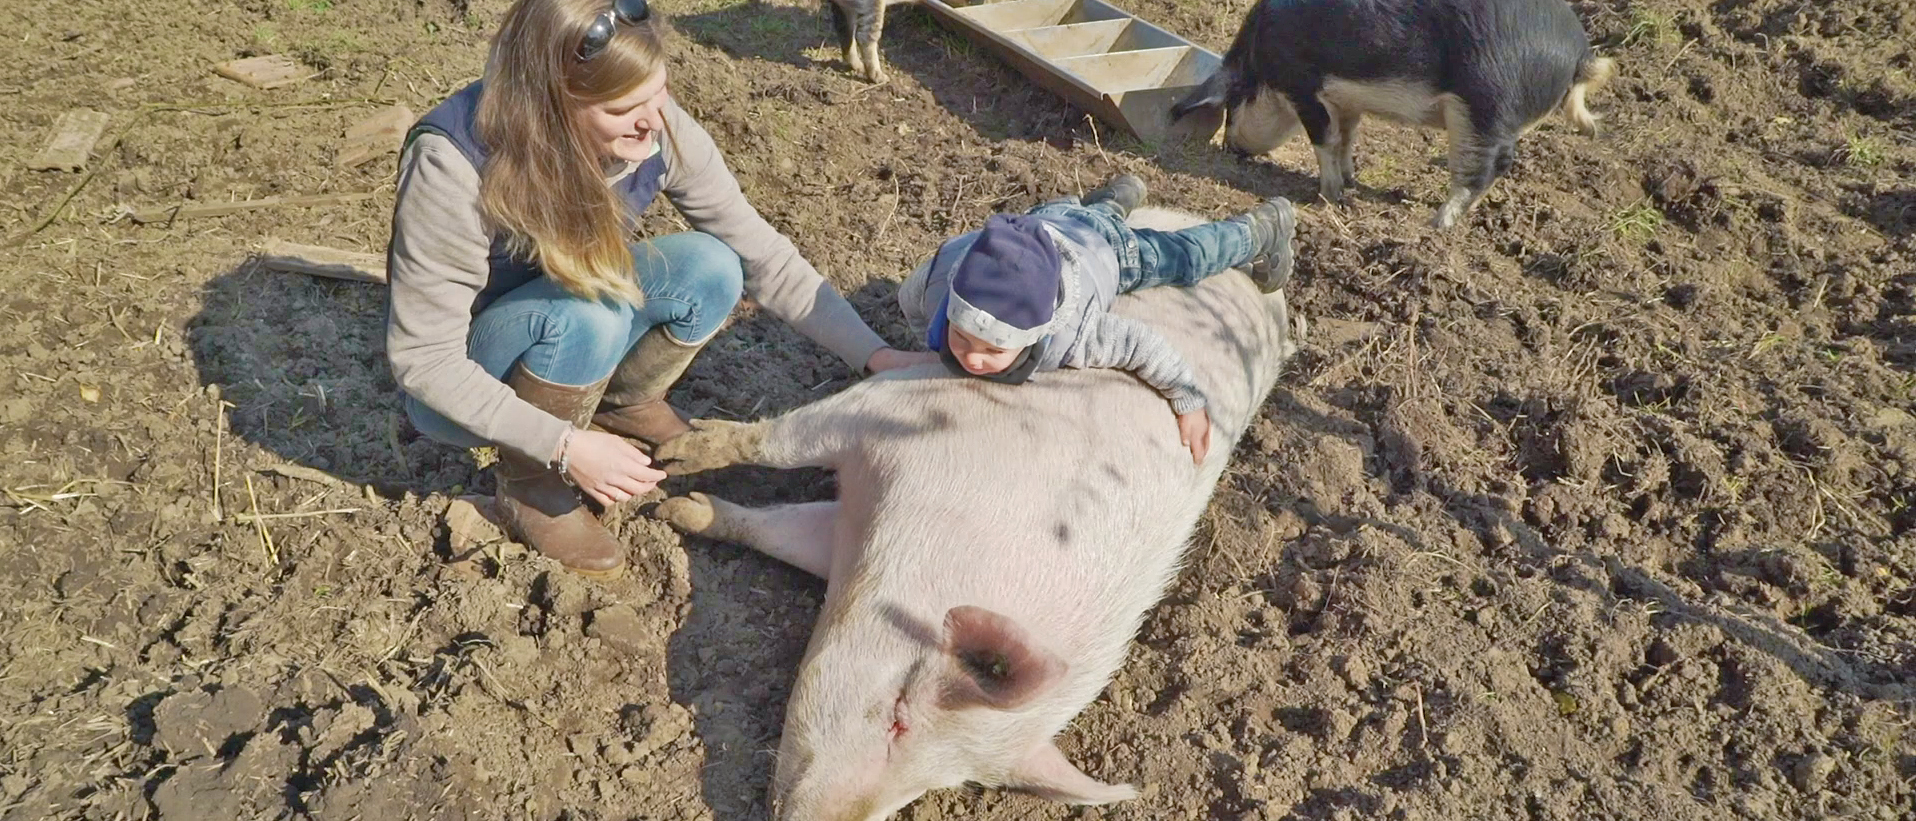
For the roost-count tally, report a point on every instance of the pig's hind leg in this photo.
(799, 535)
(1345, 139)
(1478, 156)
(869, 23)
(847, 31)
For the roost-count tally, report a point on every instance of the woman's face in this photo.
(627, 126)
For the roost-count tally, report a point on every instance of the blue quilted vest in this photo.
(454, 120)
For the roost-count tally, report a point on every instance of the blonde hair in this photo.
(543, 182)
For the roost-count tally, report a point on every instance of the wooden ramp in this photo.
(1119, 68)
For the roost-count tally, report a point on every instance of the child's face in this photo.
(975, 356)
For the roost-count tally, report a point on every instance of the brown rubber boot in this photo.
(634, 405)
(537, 505)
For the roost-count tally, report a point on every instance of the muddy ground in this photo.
(1599, 507)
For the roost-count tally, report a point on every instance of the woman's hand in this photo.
(1194, 432)
(608, 468)
(885, 359)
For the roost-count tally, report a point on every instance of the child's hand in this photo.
(1194, 432)
(885, 359)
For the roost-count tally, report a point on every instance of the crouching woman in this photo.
(524, 314)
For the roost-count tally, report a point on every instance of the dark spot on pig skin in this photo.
(1063, 532)
(925, 634)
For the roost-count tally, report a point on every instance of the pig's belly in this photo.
(1070, 496)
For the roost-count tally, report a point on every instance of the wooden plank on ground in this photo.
(320, 261)
(376, 136)
(72, 144)
(265, 71)
(220, 209)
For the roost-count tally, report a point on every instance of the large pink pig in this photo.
(992, 551)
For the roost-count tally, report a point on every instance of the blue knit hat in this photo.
(1005, 289)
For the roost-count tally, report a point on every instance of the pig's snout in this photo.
(811, 797)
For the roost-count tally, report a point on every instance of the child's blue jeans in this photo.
(1149, 258)
(690, 280)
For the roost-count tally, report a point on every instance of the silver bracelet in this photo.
(565, 454)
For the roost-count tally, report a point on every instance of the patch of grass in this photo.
(1651, 28)
(1380, 170)
(344, 41)
(771, 25)
(322, 51)
(1733, 487)
(264, 34)
(1637, 223)
(952, 43)
(310, 5)
(1827, 574)
(299, 420)
(1862, 152)
(958, 46)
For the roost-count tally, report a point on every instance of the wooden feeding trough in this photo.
(1122, 69)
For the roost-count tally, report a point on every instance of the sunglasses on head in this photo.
(599, 34)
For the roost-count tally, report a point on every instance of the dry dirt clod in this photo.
(1353, 670)
(12, 785)
(199, 723)
(656, 726)
(1338, 724)
(565, 594)
(470, 523)
(620, 627)
(341, 728)
(1811, 772)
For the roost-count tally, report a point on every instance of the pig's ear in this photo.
(994, 662)
(1045, 773)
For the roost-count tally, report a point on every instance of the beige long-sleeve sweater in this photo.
(437, 267)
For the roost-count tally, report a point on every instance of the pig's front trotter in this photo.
(711, 444)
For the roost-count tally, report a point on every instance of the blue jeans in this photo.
(1149, 258)
(691, 282)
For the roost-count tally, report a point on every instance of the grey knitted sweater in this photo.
(1084, 333)
(438, 268)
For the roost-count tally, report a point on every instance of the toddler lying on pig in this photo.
(1033, 292)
